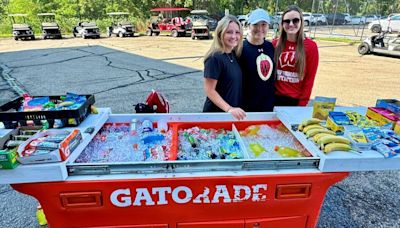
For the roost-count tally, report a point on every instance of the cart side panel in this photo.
(184, 200)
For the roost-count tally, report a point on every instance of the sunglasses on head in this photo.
(294, 20)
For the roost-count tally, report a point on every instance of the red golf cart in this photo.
(168, 21)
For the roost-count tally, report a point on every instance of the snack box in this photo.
(382, 116)
(65, 147)
(8, 159)
(392, 105)
(16, 132)
(336, 120)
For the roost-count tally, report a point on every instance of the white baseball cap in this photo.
(257, 16)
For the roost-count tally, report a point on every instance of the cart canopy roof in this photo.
(169, 9)
(47, 14)
(18, 15)
(88, 24)
(126, 23)
(199, 12)
(117, 13)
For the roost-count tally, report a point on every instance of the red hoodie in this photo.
(287, 80)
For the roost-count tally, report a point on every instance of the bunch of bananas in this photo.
(331, 143)
(312, 127)
(325, 138)
(360, 121)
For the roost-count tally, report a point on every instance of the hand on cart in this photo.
(237, 113)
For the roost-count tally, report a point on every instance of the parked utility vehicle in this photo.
(20, 28)
(121, 26)
(86, 30)
(49, 26)
(382, 43)
(200, 24)
(168, 21)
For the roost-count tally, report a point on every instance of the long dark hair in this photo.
(300, 53)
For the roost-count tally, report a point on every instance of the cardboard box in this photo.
(382, 116)
(392, 105)
(65, 147)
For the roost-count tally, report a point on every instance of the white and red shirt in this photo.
(288, 82)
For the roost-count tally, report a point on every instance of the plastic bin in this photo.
(11, 117)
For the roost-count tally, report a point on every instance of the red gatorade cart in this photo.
(246, 191)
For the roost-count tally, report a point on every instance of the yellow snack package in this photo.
(322, 107)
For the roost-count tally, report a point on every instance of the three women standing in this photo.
(296, 59)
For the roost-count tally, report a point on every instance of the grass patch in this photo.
(5, 35)
(340, 39)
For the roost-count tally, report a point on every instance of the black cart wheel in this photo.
(376, 29)
(363, 49)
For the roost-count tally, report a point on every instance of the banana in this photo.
(307, 122)
(301, 127)
(319, 135)
(312, 126)
(332, 139)
(313, 132)
(336, 147)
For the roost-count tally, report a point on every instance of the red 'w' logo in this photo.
(287, 59)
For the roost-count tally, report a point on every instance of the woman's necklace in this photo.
(229, 57)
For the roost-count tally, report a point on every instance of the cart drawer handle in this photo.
(81, 199)
(293, 191)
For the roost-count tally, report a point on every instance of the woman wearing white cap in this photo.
(222, 73)
(257, 65)
(296, 61)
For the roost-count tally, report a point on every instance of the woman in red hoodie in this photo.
(296, 58)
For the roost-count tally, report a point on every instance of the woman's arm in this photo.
(213, 95)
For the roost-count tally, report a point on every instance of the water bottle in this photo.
(133, 134)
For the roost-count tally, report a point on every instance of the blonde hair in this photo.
(300, 53)
(218, 44)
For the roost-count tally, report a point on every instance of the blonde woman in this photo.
(222, 73)
(296, 58)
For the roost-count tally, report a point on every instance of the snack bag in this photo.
(322, 107)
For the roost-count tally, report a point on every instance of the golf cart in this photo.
(381, 44)
(50, 28)
(168, 21)
(201, 24)
(120, 25)
(86, 30)
(21, 30)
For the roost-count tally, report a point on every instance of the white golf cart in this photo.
(120, 25)
(86, 30)
(20, 28)
(50, 28)
(383, 43)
